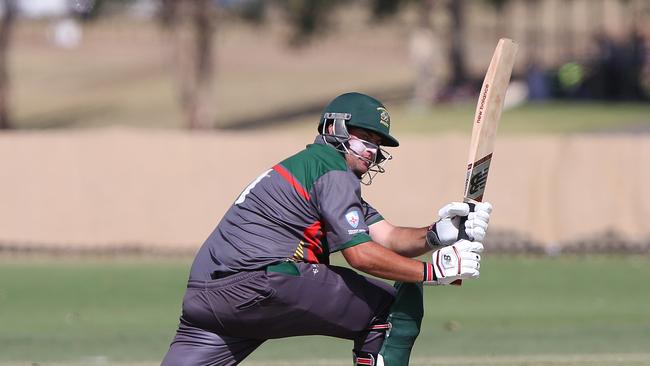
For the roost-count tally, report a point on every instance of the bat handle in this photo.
(463, 235)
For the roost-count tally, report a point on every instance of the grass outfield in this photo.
(523, 311)
(533, 118)
(553, 117)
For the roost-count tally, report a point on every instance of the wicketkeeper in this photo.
(264, 272)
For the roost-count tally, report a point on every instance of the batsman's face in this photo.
(365, 145)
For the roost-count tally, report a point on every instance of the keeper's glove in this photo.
(445, 231)
(460, 261)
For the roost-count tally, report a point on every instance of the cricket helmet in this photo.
(361, 111)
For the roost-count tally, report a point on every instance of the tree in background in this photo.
(308, 18)
(192, 25)
(456, 51)
(426, 47)
(8, 16)
(499, 6)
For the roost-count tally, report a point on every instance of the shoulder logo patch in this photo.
(353, 218)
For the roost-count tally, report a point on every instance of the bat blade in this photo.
(486, 119)
(486, 122)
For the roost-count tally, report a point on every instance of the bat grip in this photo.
(462, 234)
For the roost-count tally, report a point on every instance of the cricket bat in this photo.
(486, 122)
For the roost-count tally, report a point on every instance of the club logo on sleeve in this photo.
(353, 218)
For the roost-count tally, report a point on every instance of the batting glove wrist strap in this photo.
(429, 275)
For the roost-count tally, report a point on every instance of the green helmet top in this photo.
(364, 112)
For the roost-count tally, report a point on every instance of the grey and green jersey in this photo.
(302, 209)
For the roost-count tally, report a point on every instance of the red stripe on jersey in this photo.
(292, 180)
(311, 237)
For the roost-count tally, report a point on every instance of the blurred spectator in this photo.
(638, 54)
(615, 72)
(617, 69)
(645, 68)
(538, 83)
(423, 49)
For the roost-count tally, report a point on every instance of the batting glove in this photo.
(460, 261)
(445, 231)
(477, 221)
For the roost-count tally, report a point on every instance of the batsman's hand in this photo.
(460, 261)
(478, 220)
(445, 231)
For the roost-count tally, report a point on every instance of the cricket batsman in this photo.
(264, 272)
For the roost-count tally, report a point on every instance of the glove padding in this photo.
(445, 231)
(460, 261)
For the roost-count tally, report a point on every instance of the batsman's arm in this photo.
(406, 241)
(412, 242)
(458, 261)
(372, 258)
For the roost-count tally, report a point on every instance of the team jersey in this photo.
(302, 209)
